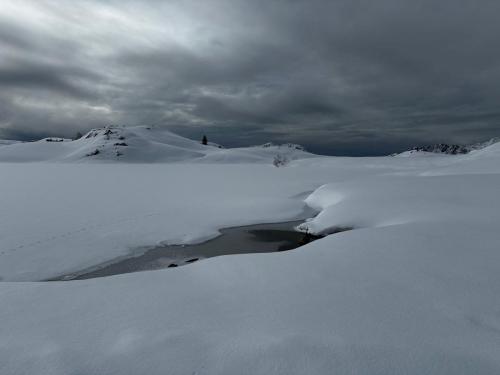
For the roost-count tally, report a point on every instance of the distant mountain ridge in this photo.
(451, 149)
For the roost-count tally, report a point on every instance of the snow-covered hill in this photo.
(141, 144)
(6, 142)
(449, 149)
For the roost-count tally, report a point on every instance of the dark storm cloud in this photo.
(55, 79)
(343, 76)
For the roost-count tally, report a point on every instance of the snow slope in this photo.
(412, 289)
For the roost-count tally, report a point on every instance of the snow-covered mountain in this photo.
(450, 149)
(142, 144)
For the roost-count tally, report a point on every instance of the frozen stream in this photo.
(260, 238)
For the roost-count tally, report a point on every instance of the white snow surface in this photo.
(412, 289)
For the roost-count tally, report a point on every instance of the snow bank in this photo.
(395, 200)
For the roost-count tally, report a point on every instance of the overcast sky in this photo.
(339, 76)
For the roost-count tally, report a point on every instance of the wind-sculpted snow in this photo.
(412, 289)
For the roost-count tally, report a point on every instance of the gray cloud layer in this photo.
(340, 76)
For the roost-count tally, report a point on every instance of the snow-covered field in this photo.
(413, 289)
